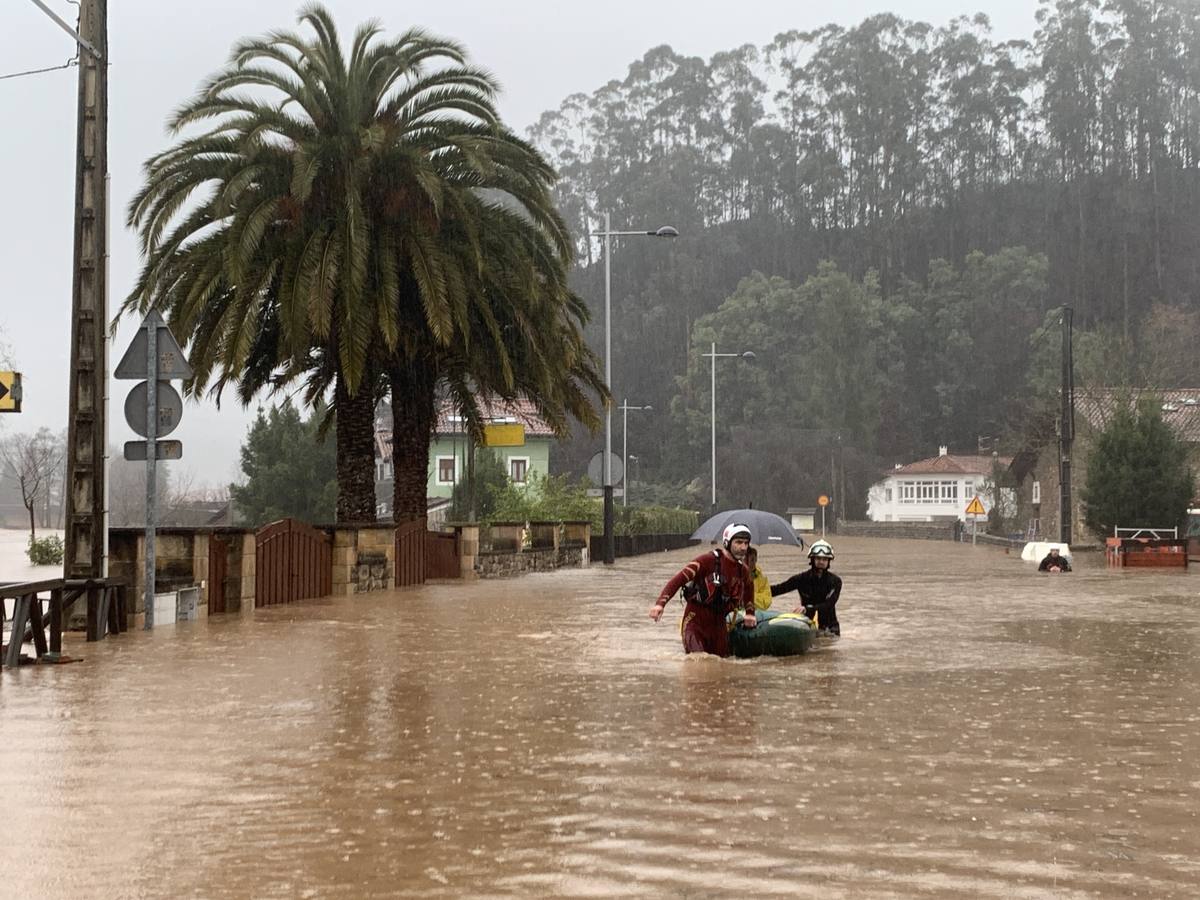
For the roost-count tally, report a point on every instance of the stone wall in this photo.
(925, 531)
(364, 559)
(548, 546)
(499, 565)
(181, 560)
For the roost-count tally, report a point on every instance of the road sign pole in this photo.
(151, 460)
(822, 521)
(974, 519)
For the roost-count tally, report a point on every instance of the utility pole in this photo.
(87, 432)
(1066, 431)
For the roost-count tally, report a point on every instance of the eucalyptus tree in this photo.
(331, 224)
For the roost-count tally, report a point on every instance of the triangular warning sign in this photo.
(171, 361)
(975, 508)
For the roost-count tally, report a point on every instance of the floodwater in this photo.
(979, 731)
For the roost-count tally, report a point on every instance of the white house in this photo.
(935, 488)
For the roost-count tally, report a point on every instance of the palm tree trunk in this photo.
(355, 428)
(413, 420)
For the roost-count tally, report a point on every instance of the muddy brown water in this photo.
(979, 731)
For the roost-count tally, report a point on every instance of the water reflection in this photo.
(980, 730)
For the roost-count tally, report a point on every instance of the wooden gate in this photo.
(441, 555)
(218, 571)
(410, 553)
(293, 561)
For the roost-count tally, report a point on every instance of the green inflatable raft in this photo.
(777, 634)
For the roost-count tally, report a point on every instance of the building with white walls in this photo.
(936, 488)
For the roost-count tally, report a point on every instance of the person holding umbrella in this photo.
(818, 588)
(714, 584)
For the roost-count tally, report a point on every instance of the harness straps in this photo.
(698, 590)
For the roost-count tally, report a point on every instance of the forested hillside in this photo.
(889, 216)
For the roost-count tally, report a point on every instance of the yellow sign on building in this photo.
(10, 391)
(506, 435)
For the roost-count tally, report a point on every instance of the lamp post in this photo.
(625, 408)
(637, 460)
(608, 234)
(713, 354)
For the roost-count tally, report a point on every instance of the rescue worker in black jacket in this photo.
(1054, 562)
(819, 589)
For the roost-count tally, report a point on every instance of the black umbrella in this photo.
(765, 527)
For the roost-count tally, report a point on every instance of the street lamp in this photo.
(625, 408)
(608, 234)
(637, 459)
(748, 354)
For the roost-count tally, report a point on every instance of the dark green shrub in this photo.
(47, 551)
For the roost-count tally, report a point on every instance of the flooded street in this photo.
(979, 730)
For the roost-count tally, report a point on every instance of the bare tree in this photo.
(176, 492)
(127, 490)
(34, 461)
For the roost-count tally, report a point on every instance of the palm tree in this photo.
(346, 234)
(523, 338)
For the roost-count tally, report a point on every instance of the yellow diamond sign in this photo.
(10, 391)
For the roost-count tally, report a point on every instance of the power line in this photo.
(73, 61)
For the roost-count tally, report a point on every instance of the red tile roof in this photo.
(951, 464)
(495, 411)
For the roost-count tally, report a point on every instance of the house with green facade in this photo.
(514, 431)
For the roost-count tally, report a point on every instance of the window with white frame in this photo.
(928, 491)
(1036, 495)
(446, 469)
(518, 469)
(887, 495)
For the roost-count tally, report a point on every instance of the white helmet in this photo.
(820, 548)
(732, 531)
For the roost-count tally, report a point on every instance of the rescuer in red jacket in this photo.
(713, 584)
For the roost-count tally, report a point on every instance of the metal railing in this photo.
(1158, 534)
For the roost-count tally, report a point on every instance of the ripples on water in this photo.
(980, 730)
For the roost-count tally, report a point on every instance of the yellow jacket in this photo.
(762, 589)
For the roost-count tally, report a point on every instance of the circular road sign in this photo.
(170, 408)
(596, 469)
(822, 500)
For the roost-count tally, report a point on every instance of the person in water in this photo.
(713, 584)
(762, 586)
(1053, 562)
(818, 588)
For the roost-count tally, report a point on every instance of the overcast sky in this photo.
(541, 51)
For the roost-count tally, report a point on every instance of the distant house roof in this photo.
(449, 422)
(199, 513)
(1180, 408)
(383, 444)
(951, 464)
(496, 411)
